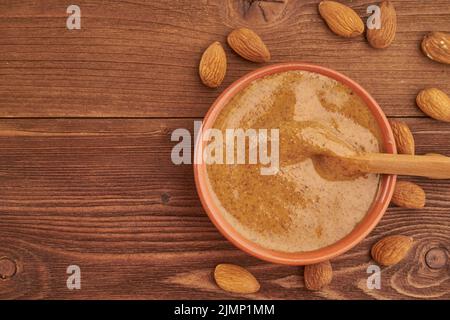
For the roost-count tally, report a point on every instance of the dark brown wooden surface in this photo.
(85, 170)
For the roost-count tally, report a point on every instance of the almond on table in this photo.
(318, 275)
(383, 37)
(213, 65)
(403, 136)
(435, 103)
(391, 250)
(342, 20)
(436, 46)
(235, 279)
(409, 195)
(248, 45)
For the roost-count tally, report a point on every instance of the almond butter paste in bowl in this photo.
(309, 203)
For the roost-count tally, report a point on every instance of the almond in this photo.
(391, 250)
(213, 65)
(404, 138)
(436, 46)
(435, 103)
(248, 45)
(342, 20)
(318, 275)
(235, 279)
(383, 37)
(408, 195)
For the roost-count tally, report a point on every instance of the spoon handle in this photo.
(431, 166)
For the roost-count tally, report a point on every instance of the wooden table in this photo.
(85, 172)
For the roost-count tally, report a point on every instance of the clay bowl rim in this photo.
(359, 233)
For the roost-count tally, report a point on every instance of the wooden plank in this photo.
(104, 195)
(139, 58)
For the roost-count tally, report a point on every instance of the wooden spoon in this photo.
(348, 166)
(431, 166)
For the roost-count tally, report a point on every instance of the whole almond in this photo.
(235, 279)
(318, 275)
(342, 20)
(408, 195)
(435, 103)
(248, 45)
(436, 46)
(383, 37)
(391, 250)
(213, 65)
(404, 138)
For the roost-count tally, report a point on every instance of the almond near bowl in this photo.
(358, 233)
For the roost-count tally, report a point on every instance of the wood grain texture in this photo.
(139, 58)
(102, 194)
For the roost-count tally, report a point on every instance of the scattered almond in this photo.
(436, 46)
(318, 275)
(248, 45)
(408, 195)
(404, 138)
(213, 65)
(342, 20)
(391, 250)
(435, 103)
(235, 279)
(383, 37)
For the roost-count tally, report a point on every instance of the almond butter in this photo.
(403, 136)
(342, 20)
(383, 37)
(235, 279)
(248, 45)
(213, 65)
(318, 275)
(408, 195)
(435, 103)
(436, 46)
(391, 249)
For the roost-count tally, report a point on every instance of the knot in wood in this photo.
(8, 268)
(259, 11)
(165, 198)
(436, 258)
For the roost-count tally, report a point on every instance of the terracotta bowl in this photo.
(372, 218)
